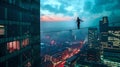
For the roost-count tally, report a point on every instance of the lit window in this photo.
(2, 30)
(12, 46)
(53, 42)
(25, 42)
(28, 64)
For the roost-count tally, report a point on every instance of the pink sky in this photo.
(55, 18)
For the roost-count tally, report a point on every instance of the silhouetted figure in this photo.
(78, 22)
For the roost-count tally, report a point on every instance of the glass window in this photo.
(2, 13)
(12, 14)
(2, 30)
(12, 46)
(25, 42)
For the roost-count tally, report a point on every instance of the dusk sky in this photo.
(91, 11)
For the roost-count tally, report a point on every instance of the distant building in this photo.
(92, 37)
(93, 51)
(103, 27)
(70, 62)
(110, 36)
(93, 55)
(112, 54)
(110, 40)
(114, 37)
(19, 33)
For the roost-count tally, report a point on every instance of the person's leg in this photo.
(78, 26)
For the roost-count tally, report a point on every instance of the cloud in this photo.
(105, 5)
(103, 2)
(55, 10)
(97, 9)
(52, 8)
(69, 8)
(45, 12)
(87, 6)
(53, 3)
(117, 6)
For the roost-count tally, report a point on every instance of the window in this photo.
(12, 46)
(2, 30)
(13, 15)
(2, 12)
(25, 42)
(28, 64)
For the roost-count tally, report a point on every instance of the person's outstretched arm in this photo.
(81, 20)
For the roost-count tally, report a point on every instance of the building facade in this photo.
(110, 40)
(92, 37)
(19, 33)
(103, 27)
(114, 37)
(112, 52)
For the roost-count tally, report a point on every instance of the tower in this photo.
(103, 24)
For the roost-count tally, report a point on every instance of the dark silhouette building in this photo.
(103, 27)
(93, 51)
(93, 54)
(19, 33)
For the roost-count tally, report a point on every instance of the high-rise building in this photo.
(114, 37)
(19, 33)
(103, 24)
(92, 37)
(93, 51)
(93, 54)
(112, 52)
(110, 37)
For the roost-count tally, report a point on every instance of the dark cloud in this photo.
(109, 8)
(54, 9)
(103, 2)
(117, 6)
(114, 19)
(87, 6)
(49, 7)
(105, 5)
(112, 7)
(118, 1)
(96, 9)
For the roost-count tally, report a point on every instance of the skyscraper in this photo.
(104, 31)
(19, 33)
(92, 37)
